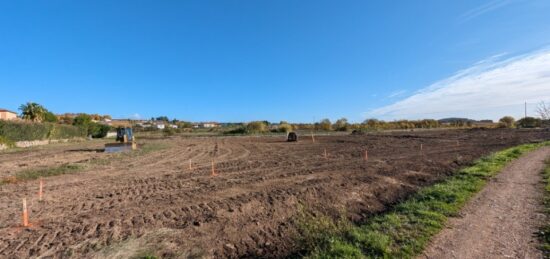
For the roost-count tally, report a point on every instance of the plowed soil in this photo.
(130, 204)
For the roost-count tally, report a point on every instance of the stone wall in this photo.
(24, 144)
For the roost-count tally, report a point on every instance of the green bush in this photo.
(529, 122)
(341, 125)
(236, 131)
(253, 127)
(50, 117)
(98, 130)
(168, 131)
(19, 131)
(82, 120)
(507, 122)
(59, 131)
(26, 131)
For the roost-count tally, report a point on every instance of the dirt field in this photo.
(150, 201)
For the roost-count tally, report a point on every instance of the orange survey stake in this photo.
(25, 213)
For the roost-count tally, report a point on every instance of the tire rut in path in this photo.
(500, 221)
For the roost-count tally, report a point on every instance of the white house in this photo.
(210, 124)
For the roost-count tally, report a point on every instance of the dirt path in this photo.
(500, 221)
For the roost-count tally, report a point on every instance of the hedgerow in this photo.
(26, 131)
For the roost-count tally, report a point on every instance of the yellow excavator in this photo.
(125, 141)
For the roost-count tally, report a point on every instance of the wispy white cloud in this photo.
(135, 116)
(483, 9)
(397, 93)
(490, 89)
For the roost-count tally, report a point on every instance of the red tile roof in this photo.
(4, 110)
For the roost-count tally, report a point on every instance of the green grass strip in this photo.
(404, 231)
(544, 232)
(32, 174)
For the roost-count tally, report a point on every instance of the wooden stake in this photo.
(421, 147)
(366, 155)
(40, 190)
(312, 137)
(190, 166)
(326, 154)
(213, 170)
(25, 213)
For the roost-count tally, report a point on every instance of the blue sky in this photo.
(275, 60)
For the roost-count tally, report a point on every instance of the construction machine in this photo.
(125, 141)
(292, 137)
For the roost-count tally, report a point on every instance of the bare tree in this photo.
(543, 110)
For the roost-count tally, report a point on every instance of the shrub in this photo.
(50, 117)
(256, 127)
(98, 130)
(59, 131)
(168, 131)
(82, 120)
(252, 127)
(507, 122)
(284, 127)
(184, 125)
(341, 124)
(325, 125)
(238, 131)
(26, 131)
(529, 122)
(19, 131)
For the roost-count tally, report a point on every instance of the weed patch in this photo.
(32, 174)
(544, 232)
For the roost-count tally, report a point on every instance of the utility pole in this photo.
(525, 110)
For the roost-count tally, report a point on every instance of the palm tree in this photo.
(32, 111)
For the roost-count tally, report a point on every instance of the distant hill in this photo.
(453, 120)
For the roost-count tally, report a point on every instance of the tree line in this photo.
(35, 112)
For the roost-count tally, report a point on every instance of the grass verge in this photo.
(32, 174)
(404, 231)
(544, 233)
